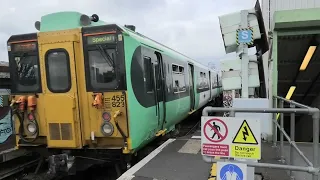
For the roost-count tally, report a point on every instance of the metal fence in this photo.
(312, 167)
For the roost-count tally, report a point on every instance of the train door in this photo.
(191, 89)
(60, 94)
(159, 85)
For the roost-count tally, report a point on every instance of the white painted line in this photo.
(196, 137)
(130, 173)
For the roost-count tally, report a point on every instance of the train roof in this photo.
(71, 19)
(146, 40)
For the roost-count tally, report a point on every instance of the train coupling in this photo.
(61, 163)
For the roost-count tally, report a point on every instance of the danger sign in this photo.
(231, 137)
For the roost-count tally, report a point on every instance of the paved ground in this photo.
(306, 148)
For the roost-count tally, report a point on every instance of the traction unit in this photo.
(99, 92)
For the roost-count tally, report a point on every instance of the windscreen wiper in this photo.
(105, 55)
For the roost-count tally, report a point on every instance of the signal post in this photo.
(238, 137)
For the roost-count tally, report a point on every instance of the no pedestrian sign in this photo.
(231, 137)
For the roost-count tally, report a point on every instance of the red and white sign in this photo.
(213, 137)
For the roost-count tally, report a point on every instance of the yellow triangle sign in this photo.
(245, 135)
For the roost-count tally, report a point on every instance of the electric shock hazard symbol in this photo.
(245, 135)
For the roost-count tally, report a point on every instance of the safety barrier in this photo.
(312, 167)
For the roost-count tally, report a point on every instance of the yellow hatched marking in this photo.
(213, 171)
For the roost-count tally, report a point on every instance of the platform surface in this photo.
(181, 159)
(176, 159)
(307, 149)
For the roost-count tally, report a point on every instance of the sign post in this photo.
(241, 138)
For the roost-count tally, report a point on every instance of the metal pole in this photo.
(309, 169)
(315, 118)
(274, 133)
(292, 102)
(281, 134)
(294, 145)
(292, 134)
(243, 48)
(208, 109)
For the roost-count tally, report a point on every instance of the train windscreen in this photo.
(24, 71)
(101, 62)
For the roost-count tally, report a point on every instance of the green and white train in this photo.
(98, 87)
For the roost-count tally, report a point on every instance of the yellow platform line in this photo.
(213, 171)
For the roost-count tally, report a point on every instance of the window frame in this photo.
(146, 73)
(203, 79)
(13, 73)
(87, 67)
(178, 73)
(68, 88)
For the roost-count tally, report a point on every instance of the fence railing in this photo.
(312, 167)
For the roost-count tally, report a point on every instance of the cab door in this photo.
(61, 95)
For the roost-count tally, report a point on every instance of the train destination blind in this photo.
(101, 39)
(30, 46)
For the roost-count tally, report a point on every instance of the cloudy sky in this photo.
(188, 26)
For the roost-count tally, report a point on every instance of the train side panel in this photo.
(141, 115)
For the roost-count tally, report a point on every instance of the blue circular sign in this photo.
(230, 172)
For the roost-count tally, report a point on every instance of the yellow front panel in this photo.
(61, 109)
(39, 113)
(113, 103)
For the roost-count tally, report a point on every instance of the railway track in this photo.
(16, 168)
(189, 125)
(23, 168)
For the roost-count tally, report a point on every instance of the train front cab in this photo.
(26, 87)
(84, 91)
(80, 93)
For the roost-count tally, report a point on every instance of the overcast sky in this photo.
(188, 26)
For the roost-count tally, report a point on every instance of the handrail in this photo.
(291, 102)
(304, 109)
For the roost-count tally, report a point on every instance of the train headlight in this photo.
(32, 128)
(107, 129)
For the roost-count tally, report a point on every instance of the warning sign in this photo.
(245, 152)
(245, 135)
(217, 128)
(215, 131)
(231, 137)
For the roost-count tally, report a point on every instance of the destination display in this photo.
(30, 46)
(101, 39)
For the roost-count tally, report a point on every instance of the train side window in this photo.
(200, 79)
(178, 77)
(58, 70)
(214, 82)
(205, 81)
(148, 74)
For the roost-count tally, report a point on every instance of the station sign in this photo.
(231, 137)
(245, 36)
